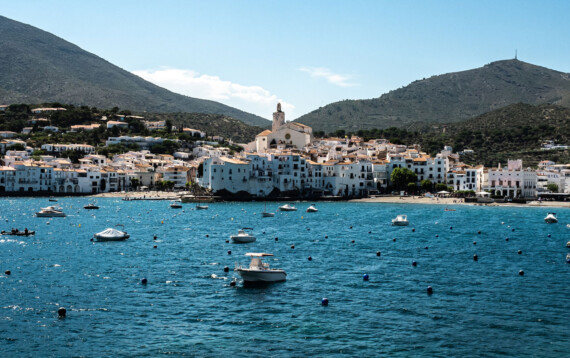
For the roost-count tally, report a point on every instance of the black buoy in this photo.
(394, 240)
(229, 252)
(292, 246)
(352, 241)
(474, 242)
(155, 246)
(276, 239)
(521, 273)
(62, 312)
(370, 232)
(227, 241)
(232, 284)
(475, 257)
(308, 229)
(310, 258)
(413, 230)
(325, 301)
(479, 232)
(507, 239)
(513, 229)
(326, 236)
(207, 235)
(414, 263)
(144, 281)
(91, 239)
(365, 277)
(351, 227)
(549, 235)
(451, 228)
(378, 253)
(519, 252)
(429, 290)
(154, 237)
(226, 269)
(436, 235)
(7, 272)
(426, 248)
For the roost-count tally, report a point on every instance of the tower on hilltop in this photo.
(278, 118)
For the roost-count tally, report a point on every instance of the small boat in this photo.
(446, 209)
(176, 205)
(18, 233)
(400, 220)
(201, 207)
(265, 213)
(90, 207)
(52, 199)
(259, 271)
(287, 207)
(312, 209)
(51, 212)
(243, 237)
(111, 234)
(568, 258)
(551, 218)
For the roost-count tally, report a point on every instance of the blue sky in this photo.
(306, 54)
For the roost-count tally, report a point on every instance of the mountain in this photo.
(38, 67)
(447, 98)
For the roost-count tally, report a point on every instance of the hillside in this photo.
(447, 98)
(36, 67)
(513, 132)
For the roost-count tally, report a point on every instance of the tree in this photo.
(552, 187)
(426, 185)
(168, 126)
(135, 183)
(441, 187)
(400, 178)
(412, 187)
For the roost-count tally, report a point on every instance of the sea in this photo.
(513, 301)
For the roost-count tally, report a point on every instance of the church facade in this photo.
(283, 135)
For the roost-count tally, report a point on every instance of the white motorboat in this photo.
(312, 209)
(400, 220)
(287, 207)
(243, 237)
(259, 271)
(201, 207)
(51, 212)
(551, 218)
(111, 234)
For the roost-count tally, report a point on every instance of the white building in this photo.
(513, 181)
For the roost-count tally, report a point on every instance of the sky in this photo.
(251, 54)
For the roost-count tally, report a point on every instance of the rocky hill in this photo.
(447, 98)
(37, 67)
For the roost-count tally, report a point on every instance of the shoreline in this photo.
(159, 195)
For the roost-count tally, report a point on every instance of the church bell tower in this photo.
(278, 118)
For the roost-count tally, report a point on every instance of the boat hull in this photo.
(103, 238)
(242, 239)
(267, 215)
(51, 215)
(250, 275)
(400, 223)
(19, 233)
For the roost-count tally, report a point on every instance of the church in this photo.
(283, 135)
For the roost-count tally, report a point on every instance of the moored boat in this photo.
(90, 207)
(243, 237)
(259, 271)
(176, 205)
(312, 209)
(551, 218)
(265, 213)
(400, 220)
(287, 207)
(111, 234)
(51, 212)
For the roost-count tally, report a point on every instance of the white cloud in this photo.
(253, 99)
(334, 78)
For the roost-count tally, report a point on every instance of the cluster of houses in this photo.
(285, 159)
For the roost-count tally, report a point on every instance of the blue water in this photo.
(188, 308)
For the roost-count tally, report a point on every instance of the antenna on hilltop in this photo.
(515, 54)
